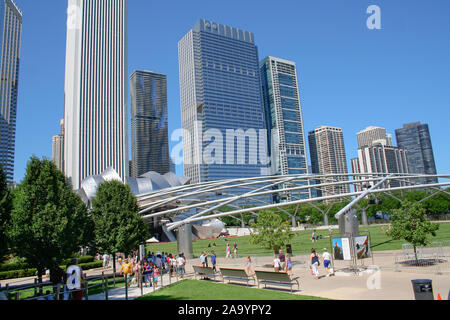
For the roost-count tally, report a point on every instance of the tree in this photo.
(411, 223)
(271, 231)
(5, 213)
(118, 225)
(49, 222)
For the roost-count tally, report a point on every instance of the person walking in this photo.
(203, 260)
(248, 267)
(235, 247)
(314, 262)
(147, 273)
(228, 251)
(213, 260)
(181, 262)
(126, 270)
(313, 236)
(326, 256)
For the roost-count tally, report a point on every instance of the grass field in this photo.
(301, 243)
(204, 290)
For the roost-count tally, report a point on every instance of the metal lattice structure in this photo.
(205, 201)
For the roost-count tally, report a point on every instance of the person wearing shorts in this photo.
(327, 261)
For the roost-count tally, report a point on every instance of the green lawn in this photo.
(205, 290)
(301, 243)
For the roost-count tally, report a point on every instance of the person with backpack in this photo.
(315, 263)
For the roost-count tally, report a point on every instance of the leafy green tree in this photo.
(411, 223)
(49, 221)
(5, 213)
(118, 225)
(270, 231)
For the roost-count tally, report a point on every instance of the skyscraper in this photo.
(96, 125)
(221, 104)
(326, 145)
(149, 123)
(58, 148)
(415, 138)
(10, 43)
(284, 116)
(373, 135)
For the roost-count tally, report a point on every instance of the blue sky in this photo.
(350, 77)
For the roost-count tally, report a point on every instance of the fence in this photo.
(433, 258)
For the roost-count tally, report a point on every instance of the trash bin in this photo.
(289, 249)
(423, 289)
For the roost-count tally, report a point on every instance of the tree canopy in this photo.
(5, 213)
(270, 231)
(118, 226)
(49, 222)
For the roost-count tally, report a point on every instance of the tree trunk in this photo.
(40, 273)
(114, 264)
(415, 253)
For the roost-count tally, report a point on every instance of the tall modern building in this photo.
(326, 145)
(284, 116)
(58, 148)
(373, 135)
(222, 110)
(149, 123)
(10, 42)
(96, 125)
(415, 138)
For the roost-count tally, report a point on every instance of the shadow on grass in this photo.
(381, 243)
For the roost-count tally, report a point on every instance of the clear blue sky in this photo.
(350, 76)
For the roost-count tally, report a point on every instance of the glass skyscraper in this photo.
(10, 40)
(416, 139)
(221, 104)
(284, 116)
(149, 123)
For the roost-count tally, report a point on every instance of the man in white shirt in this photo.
(181, 262)
(327, 261)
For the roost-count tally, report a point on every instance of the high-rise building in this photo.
(58, 148)
(149, 123)
(380, 158)
(415, 138)
(373, 135)
(326, 145)
(221, 104)
(96, 124)
(284, 116)
(10, 42)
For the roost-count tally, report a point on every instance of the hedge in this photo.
(14, 274)
(23, 265)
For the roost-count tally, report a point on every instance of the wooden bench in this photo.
(276, 278)
(236, 275)
(204, 272)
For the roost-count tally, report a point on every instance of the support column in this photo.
(364, 219)
(325, 219)
(184, 241)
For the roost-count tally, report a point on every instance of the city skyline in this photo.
(313, 117)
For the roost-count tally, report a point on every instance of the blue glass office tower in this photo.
(416, 139)
(10, 39)
(149, 123)
(220, 92)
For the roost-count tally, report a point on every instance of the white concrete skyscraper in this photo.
(96, 96)
(10, 40)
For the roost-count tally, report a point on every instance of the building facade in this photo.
(373, 135)
(222, 111)
(96, 113)
(58, 148)
(328, 156)
(416, 139)
(149, 123)
(10, 44)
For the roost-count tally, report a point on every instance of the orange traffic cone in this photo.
(439, 296)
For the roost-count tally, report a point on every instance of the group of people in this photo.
(282, 263)
(151, 268)
(314, 262)
(228, 251)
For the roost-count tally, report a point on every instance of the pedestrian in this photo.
(136, 272)
(105, 261)
(181, 262)
(282, 258)
(173, 265)
(203, 259)
(288, 265)
(214, 260)
(314, 262)
(126, 270)
(276, 264)
(228, 252)
(147, 273)
(248, 267)
(156, 275)
(235, 246)
(326, 256)
(313, 236)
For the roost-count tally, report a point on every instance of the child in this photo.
(156, 275)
